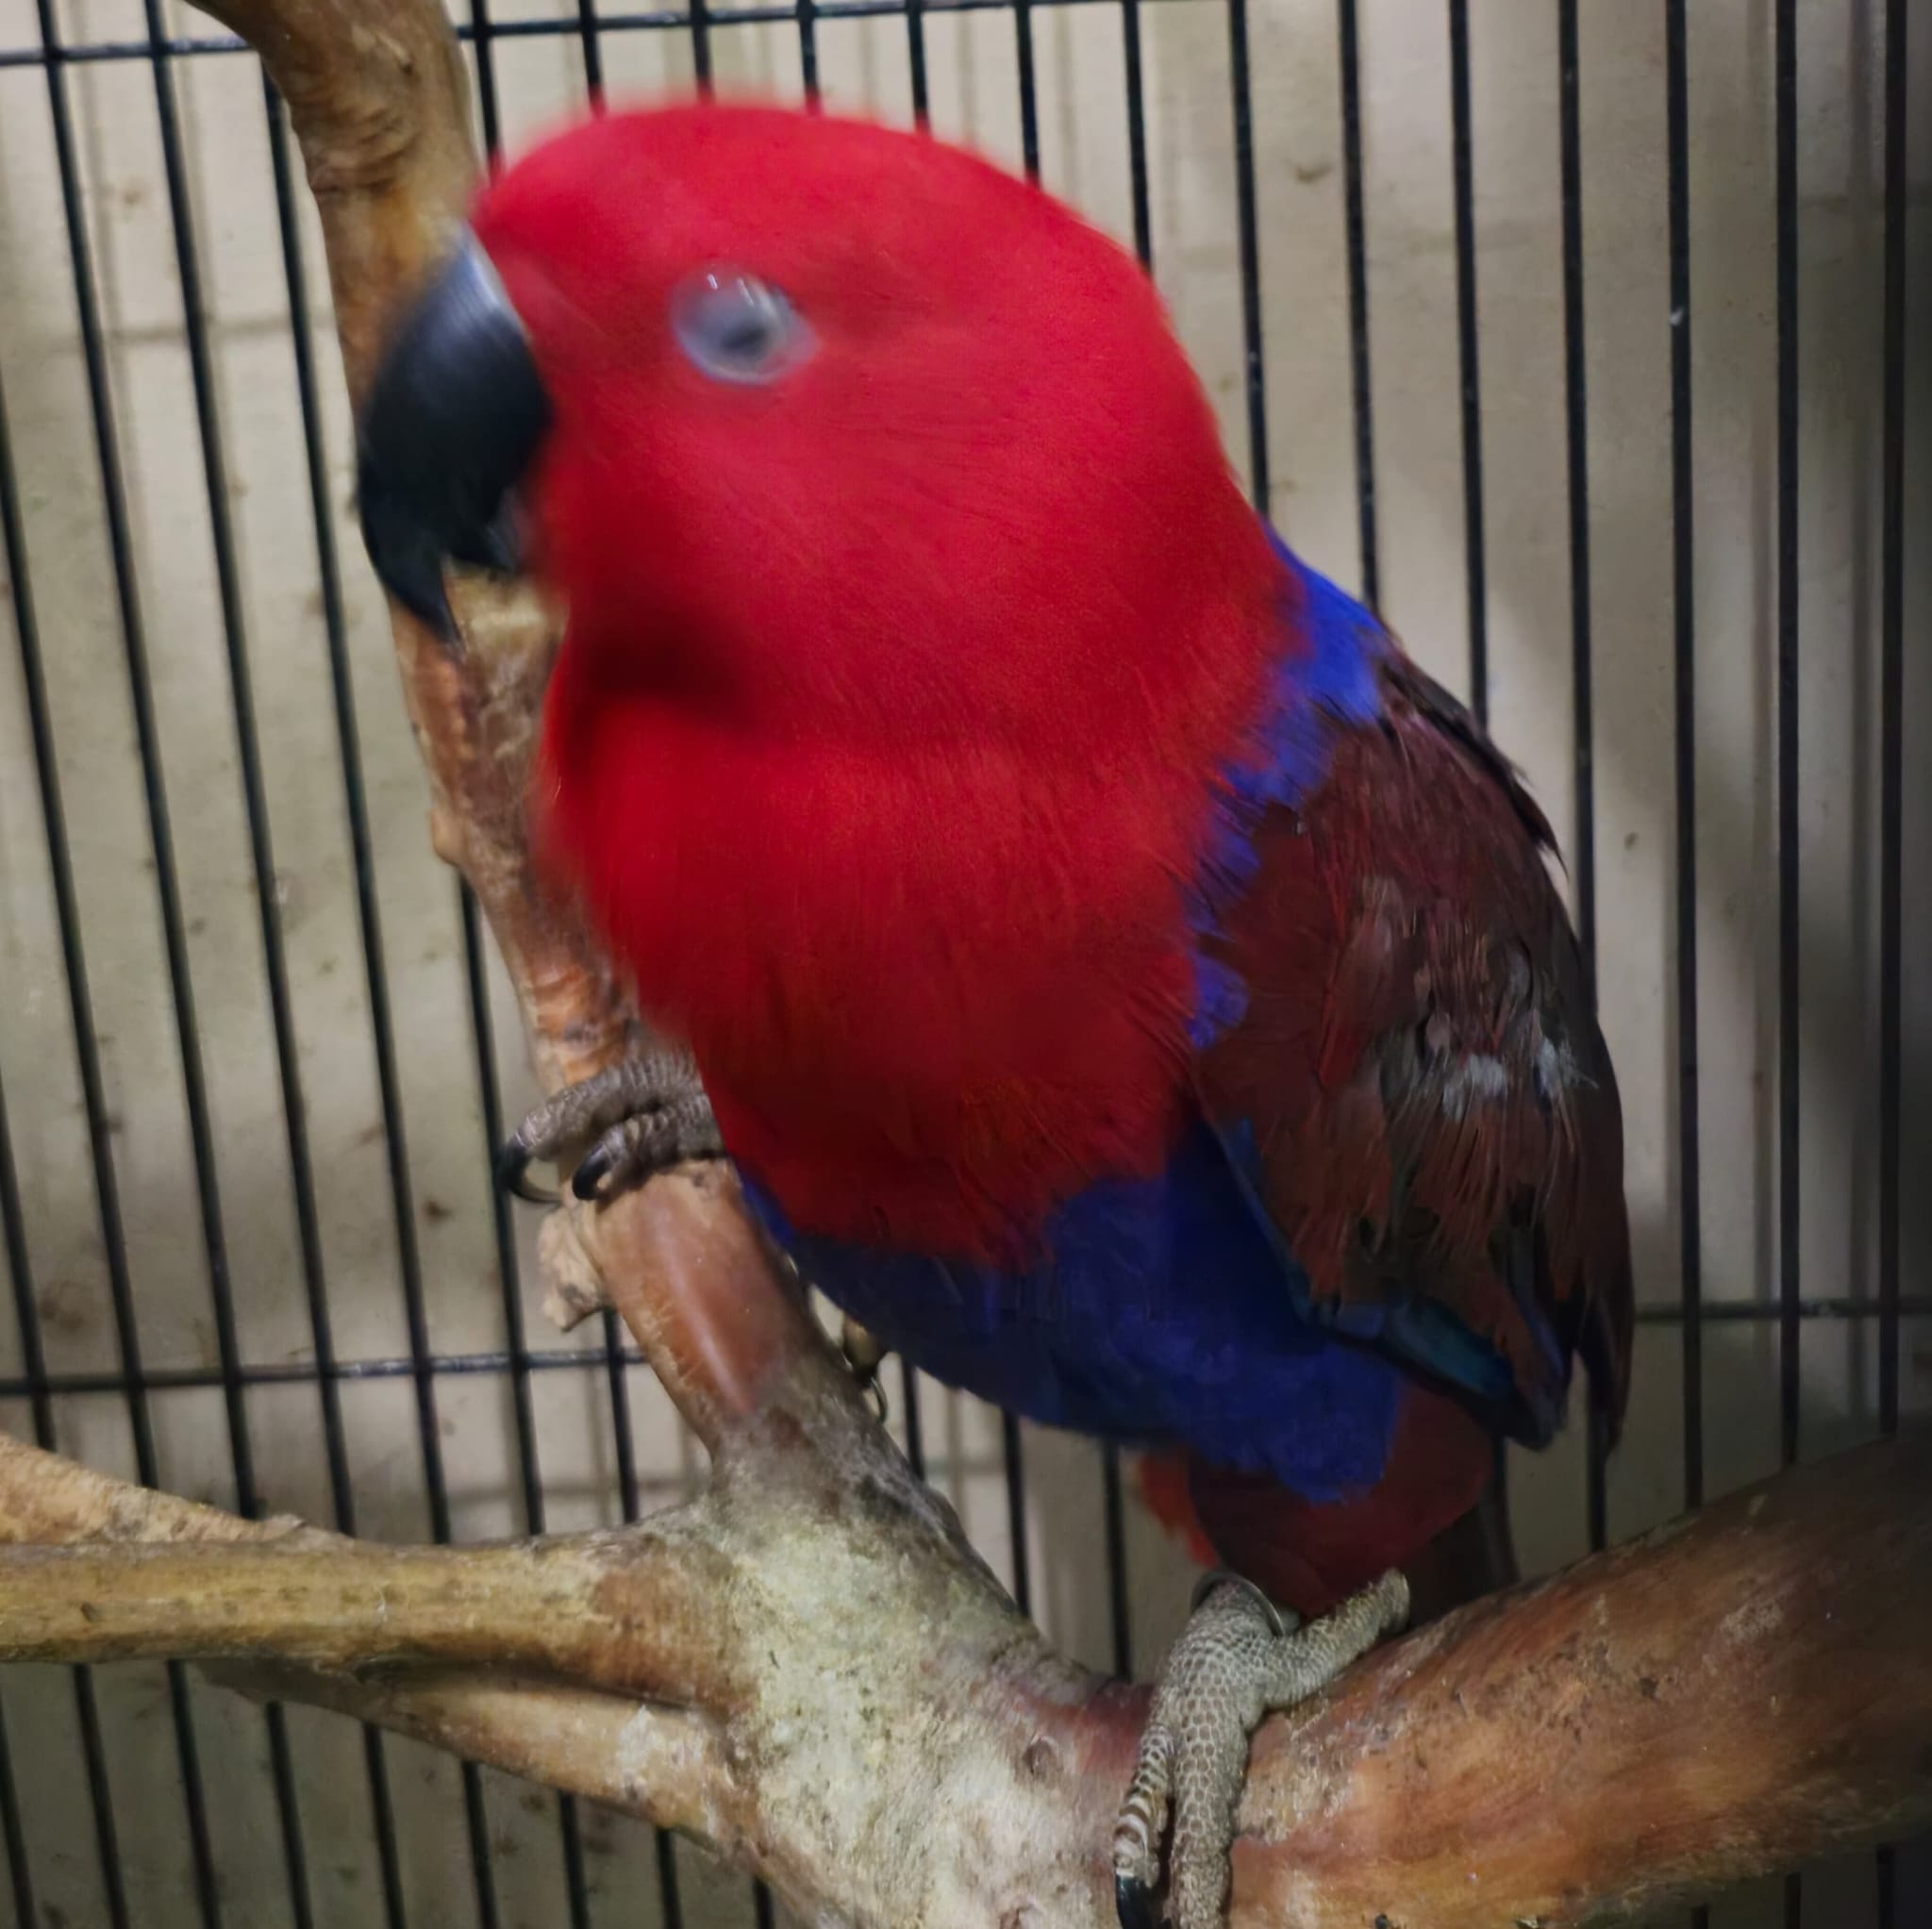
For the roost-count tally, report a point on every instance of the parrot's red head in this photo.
(907, 583)
(842, 424)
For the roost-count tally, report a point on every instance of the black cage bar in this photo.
(1786, 1313)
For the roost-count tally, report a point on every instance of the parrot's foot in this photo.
(635, 1118)
(1236, 1660)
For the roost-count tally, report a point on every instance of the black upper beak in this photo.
(454, 416)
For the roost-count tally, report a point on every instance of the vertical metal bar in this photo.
(1684, 618)
(1359, 299)
(229, 588)
(86, 1712)
(19, 1268)
(508, 1272)
(1013, 1452)
(334, 628)
(1684, 612)
(1577, 415)
(1250, 246)
(93, 352)
(1137, 130)
(701, 46)
(1787, 698)
(1113, 1493)
(1885, 1904)
(20, 1878)
(915, 1432)
(1471, 359)
(1577, 418)
(1016, 1511)
(809, 61)
(1789, 1144)
(670, 1903)
(594, 52)
(1113, 1518)
(476, 1823)
(483, 38)
(614, 1336)
(1892, 714)
(670, 1899)
(629, 1497)
(1029, 88)
(1892, 773)
(228, 591)
(623, 1445)
(915, 58)
(429, 1437)
(509, 1281)
(93, 1099)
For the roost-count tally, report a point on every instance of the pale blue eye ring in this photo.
(734, 327)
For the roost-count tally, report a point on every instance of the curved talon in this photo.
(1133, 1903)
(592, 1170)
(1140, 1826)
(512, 1174)
(635, 1118)
(876, 1388)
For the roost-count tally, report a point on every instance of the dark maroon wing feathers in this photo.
(1427, 1106)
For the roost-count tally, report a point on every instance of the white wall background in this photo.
(1421, 522)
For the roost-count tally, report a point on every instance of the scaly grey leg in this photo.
(1237, 1658)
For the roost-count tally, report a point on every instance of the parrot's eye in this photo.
(738, 329)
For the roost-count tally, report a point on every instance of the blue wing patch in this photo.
(1154, 1313)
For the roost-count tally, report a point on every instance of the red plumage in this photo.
(1312, 1555)
(912, 899)
(882, 746)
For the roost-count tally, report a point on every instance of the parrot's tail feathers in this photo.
(1312, 1555)
(1470, 1558)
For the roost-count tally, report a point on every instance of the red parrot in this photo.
(1127, 984)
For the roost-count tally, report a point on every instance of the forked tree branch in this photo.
(647, 1759)
(868, 1723)
(808, 1667)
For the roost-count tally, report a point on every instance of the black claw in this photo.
(512, 1174)
(592, 1170)
(1133, 1903)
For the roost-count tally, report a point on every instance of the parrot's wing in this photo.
(1415, 1091)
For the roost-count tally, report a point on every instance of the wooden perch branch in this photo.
(1748, 1689)
(611, 1612)
(650, 1760)
(808, 1667)
(379, 96)
(1736, 1692)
